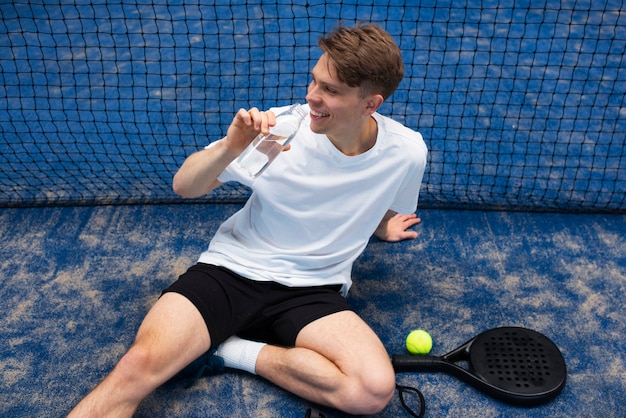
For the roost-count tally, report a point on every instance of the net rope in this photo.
(522, 105)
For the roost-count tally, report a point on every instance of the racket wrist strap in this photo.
(404, 390)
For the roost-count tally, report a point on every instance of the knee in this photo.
(371, 393)
(138, 364)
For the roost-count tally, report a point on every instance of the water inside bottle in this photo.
(264, 150)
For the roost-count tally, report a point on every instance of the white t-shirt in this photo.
(313, 211)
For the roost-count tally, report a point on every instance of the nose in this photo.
(311, 95)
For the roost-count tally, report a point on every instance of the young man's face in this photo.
(337, 110)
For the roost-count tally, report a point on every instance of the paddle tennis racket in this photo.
(513, 364)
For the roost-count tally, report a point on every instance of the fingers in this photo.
(410, 235)
(408, 220)
(257, 120)
(404, 223)
(271, 120)
(246, 125)
(395, 226)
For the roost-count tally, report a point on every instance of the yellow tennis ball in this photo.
(419, 342)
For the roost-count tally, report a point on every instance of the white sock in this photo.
(240, 354)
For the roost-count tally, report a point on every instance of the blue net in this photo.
(522, 105)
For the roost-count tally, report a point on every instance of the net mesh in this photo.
(522, 105)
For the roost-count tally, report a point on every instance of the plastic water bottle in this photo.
(265, 148)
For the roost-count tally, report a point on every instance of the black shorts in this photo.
(254, 310)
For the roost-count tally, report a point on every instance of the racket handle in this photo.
(406, 363)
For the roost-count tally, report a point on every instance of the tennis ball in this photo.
(419, 342)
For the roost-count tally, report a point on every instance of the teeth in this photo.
(318, 114)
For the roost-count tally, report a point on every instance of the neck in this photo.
(358, 142)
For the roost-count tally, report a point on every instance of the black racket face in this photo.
(518, 360)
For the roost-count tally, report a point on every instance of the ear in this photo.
(373, 103)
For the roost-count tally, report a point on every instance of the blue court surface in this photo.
(521, 103)
(77, 281)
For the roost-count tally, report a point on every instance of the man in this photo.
(268, 294)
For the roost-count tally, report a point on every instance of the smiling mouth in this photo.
(318, 114)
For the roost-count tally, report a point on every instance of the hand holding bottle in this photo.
(266, 147)
(246, 125)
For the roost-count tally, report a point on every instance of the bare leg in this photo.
(338, 361)
(172, 335)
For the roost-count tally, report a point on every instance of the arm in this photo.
(394, 227)
(198, 174)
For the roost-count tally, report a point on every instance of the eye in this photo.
(325, 87)
(330, 90)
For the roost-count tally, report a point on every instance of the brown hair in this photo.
(365, 56)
